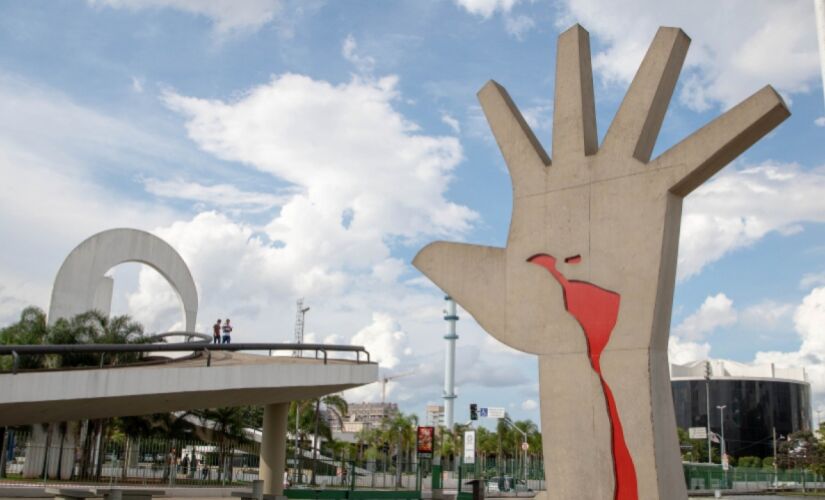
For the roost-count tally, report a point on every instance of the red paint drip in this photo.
(597, 311)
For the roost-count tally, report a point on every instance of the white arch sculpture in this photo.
(80, 284)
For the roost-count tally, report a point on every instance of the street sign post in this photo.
(491, 412)
(698, 433)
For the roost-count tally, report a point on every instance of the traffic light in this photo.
(473, 411)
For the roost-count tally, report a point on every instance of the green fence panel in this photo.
(382, 495)
(309, 493)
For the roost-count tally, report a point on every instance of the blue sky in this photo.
(293, 149)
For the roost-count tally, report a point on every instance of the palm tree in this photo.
(30, 329)
(341, 408)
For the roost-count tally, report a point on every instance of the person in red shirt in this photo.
(216, 333)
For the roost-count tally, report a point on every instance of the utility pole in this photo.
(450, 317)
(299, 326)
(723, 452)
(524, 449)
(707, 409)
(773, 432)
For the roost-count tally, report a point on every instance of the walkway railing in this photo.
(204, 347)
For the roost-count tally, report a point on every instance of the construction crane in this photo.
(299, 326)
(386, 379)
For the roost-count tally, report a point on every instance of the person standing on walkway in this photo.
(227, 332)
(216, 333)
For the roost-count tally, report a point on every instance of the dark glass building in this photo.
(757, 399)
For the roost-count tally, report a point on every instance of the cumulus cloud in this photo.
(529, 405)
(732, 55)
(360, 180)
(715, 312)
(741, 206)
(227, 16)
(346, 147)
(820, 122)
(384, 339)
(684, 351)
(486, 8)
(809, 321)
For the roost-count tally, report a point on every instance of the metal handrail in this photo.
(197, 347)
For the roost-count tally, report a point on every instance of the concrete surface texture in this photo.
(80, 284)
(234, 379)
(586, 279)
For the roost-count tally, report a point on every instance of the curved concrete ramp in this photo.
(233, 379)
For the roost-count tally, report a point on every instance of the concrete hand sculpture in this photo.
(604, 221)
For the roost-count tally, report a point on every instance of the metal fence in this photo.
(34, 457)
(712, 477)
(31, 456)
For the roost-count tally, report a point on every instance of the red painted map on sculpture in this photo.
(597, 310)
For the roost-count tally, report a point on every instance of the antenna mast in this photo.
(299, 326)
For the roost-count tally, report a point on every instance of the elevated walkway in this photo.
(224, 378)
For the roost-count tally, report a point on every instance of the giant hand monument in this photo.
(586, 279)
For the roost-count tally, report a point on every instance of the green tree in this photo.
(30, 329)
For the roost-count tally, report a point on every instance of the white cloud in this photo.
(451, 122)
(741, 206)
(766, 315)
(810, 280)
(539, 115)
(349, 49)
(217, 195)
(529, 405)
(384, 339)
(228, 16)
(738, 45)
(820, 122)
(518, 26)
(137, 85)
(347, 149)
(715, 312)
(486, 8)
(682, 351)
(809, 320)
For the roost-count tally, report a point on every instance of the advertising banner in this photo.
(469, 447)
(426, 439)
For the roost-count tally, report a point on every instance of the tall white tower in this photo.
(450, 317)
(819, 7)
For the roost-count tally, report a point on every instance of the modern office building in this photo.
(435, 415)
(757, 399)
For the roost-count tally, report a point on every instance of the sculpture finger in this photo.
(710, 148)
(637, 123)
(574, 108)
(525, 157)
(472, 274)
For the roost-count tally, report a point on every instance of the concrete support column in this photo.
(273, 448)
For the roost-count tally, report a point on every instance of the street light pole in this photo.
(524, 436)
(707, 409)
(722, 423)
